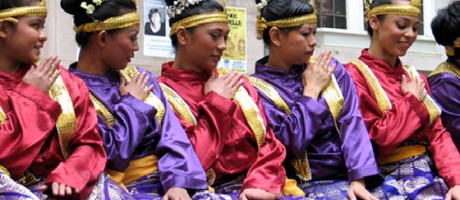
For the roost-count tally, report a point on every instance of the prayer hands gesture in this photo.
(255, 193)
(358, 190)
(415, 86)
(454, 193)
(317, 75)
(137, 87)
(43, 75)
(226, 85)
(59, 189)
(176, 194)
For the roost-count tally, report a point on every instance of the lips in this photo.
(216, 58)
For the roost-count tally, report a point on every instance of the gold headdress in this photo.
(194, 20)
(262, 23)
(117, 22)
(450, 50)
(413, 9)
(35, 10)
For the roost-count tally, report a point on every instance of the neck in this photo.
(154, 28)
(7, 65)
(182, 62)
(90, 62)
(377, 51)
(276, 60)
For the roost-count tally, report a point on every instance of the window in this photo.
(331, 13)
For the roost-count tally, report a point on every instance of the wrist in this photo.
(313, 93)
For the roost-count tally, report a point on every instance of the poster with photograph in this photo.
(156, 30)
(234, 57)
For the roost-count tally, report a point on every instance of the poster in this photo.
(156, 30)
(234, 58)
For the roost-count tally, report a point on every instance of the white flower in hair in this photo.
(98, 2)
(262, 4)
(180, 5)
(88, 7)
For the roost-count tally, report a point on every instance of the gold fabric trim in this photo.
(380, 94)
(271, 92)
(67, 122)
(178, 104)
(36, 10)
(102, 111)
(262, 23)
(334, 99)
(252, 113)
(211, 176)
(446, 67)
(412, 9)
(3, 116)
(402, 153)
(4, 170)
(128, 73)
(137, 168)
(117, 22)
(196, 20)
(430, 104)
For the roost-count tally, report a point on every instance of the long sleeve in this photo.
(23, 135)
(390, 128)
(353, 132)
(87, 160)
(268, 167)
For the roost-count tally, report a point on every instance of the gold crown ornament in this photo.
(34, 10)
(412, 9)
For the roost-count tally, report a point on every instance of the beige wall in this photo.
(425, 54)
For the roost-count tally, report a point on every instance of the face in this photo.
(156, 19)
(206, 44)
(298, 45)
(121, 46)
(25, 40)
(395, 34)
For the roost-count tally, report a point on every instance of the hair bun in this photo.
(72, 7)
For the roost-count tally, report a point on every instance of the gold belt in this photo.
(402, 153)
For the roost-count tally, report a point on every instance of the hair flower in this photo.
(88, 7)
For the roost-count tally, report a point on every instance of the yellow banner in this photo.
(234, 57)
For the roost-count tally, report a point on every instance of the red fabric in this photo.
(29, 139)
(222, 138)
(408, 117)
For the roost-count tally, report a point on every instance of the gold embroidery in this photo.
(67, 122)
(128, 73)
(271, 93)
(178, 104)
(199, 19)
(3, 116)
(446, 67)
(334, 99)
(35, 10)
(4, 170)
(430, 105)
(102, 111)
(116, 22)
(380, 95)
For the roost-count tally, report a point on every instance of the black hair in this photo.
(107, 9)
(282, 9)
(6, 4)
(202, 7)
(446, 26)
(374, 4)
(153, 11)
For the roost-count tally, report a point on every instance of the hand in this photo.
(254, 193)
(317, 75)
(226, 85)
(43, 75)
(358, 190)
(453, 193)
(177, 194)
(415, 86)
(137, 87)
(59, 189)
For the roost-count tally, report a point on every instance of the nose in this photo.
(42, 37)
(136, 46)
(312, 40)
(222, 44)
(411, 33)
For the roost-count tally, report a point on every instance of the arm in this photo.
(23, 135)
(389, 129)
(360, 164)
(268, 168)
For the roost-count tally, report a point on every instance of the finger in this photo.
(55, 188)
(135, 79)
(149, 88)
(327, 63)
(448, 196)
(332, 69)
(235, 79)
(54, 76)
(43, 188)
(68, 191)
(122, 82)
(165, 197)
(237, 85)
(53, 67)
(47, 69)
(62, 190)
(41, 67)
(373, 197)
(77, 191)
(145, 80)
(243, 197)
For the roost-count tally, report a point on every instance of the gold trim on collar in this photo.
(117, 22)
(178, 104)
(3, 116)
(196, 20)
(128, 74)
(102, 111)
(413, 9)
(262, 23)
(430, 104)
(446, 67)
(67, 122)
(271, 93)
(36, 10)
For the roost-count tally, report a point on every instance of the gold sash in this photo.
(178, 104)
(128, 73)
(102, 111)
(67, 122)
(446, 67)
(402, 153)
(3, 117)
(136, 169)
